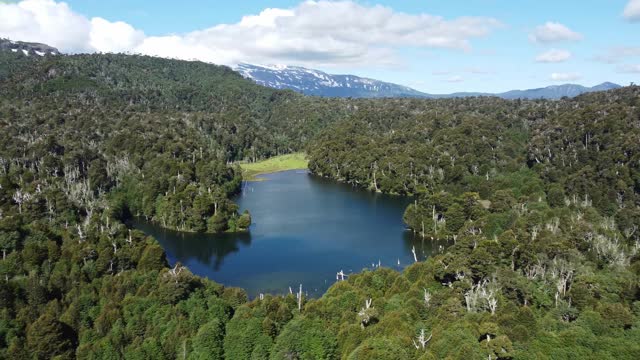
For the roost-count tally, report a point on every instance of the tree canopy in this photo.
(539, 200)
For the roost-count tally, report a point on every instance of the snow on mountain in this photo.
(27, 48)
(318, 83)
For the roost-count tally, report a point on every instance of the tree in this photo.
(244, 221)
(455, 218)
(8, 242)
(47, 338)
(381, 348)
(305, 339)
(208, 342)
(555, 196)
(217, 223)
(153, 258)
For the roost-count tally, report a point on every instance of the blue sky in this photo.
(433, 45)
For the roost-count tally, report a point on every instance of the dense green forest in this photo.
(540, 199)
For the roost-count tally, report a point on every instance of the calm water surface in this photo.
(305, 229)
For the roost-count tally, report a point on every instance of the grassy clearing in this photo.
(296, 161)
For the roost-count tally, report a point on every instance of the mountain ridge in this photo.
(318, 83)
(27, 48)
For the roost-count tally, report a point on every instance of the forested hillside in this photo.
(541, 201)
(539, 197)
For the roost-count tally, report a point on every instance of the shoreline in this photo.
(251, 172)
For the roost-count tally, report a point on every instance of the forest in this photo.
(539, 198)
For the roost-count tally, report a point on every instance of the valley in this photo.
(305, 230)
(128, 229)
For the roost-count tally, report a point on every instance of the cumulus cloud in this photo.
(313, 32)
(632, 10)
(552, 32)
(45, 21)
(629, 69)
(565, 76)
(114, 37)
(553, 56)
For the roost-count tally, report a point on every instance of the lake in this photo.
(305, 230)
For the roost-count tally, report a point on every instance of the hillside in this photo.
(540, 199)
(318, 83)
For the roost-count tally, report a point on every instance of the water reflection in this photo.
(207, 249)
(306, 229)
(425, 247)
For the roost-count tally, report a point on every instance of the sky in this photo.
(435, 46)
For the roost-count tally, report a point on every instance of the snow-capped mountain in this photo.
(27, 48)
(318, 83)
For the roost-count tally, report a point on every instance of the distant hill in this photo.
(556, 91)
(27, 48)
(318, 83)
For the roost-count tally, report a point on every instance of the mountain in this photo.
(318, 83)
(556, 91)
(27, 48)
(89, 141)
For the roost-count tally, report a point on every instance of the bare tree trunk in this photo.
(435, 220)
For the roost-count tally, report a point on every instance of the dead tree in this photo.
(366, 314)
(81, 234)
(427, 298)
(482, 296)
(421, 341)
(21, 197)
(175, 272)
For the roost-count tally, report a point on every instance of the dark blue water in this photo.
(305, 229)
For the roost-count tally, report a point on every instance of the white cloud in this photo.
(115, 37)
(629, 69)
(552, 32)
(565, 76)
(311, 33)
(45, 21)
(632, 10)
(553, 56)
(455, 79)
(616, 54)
